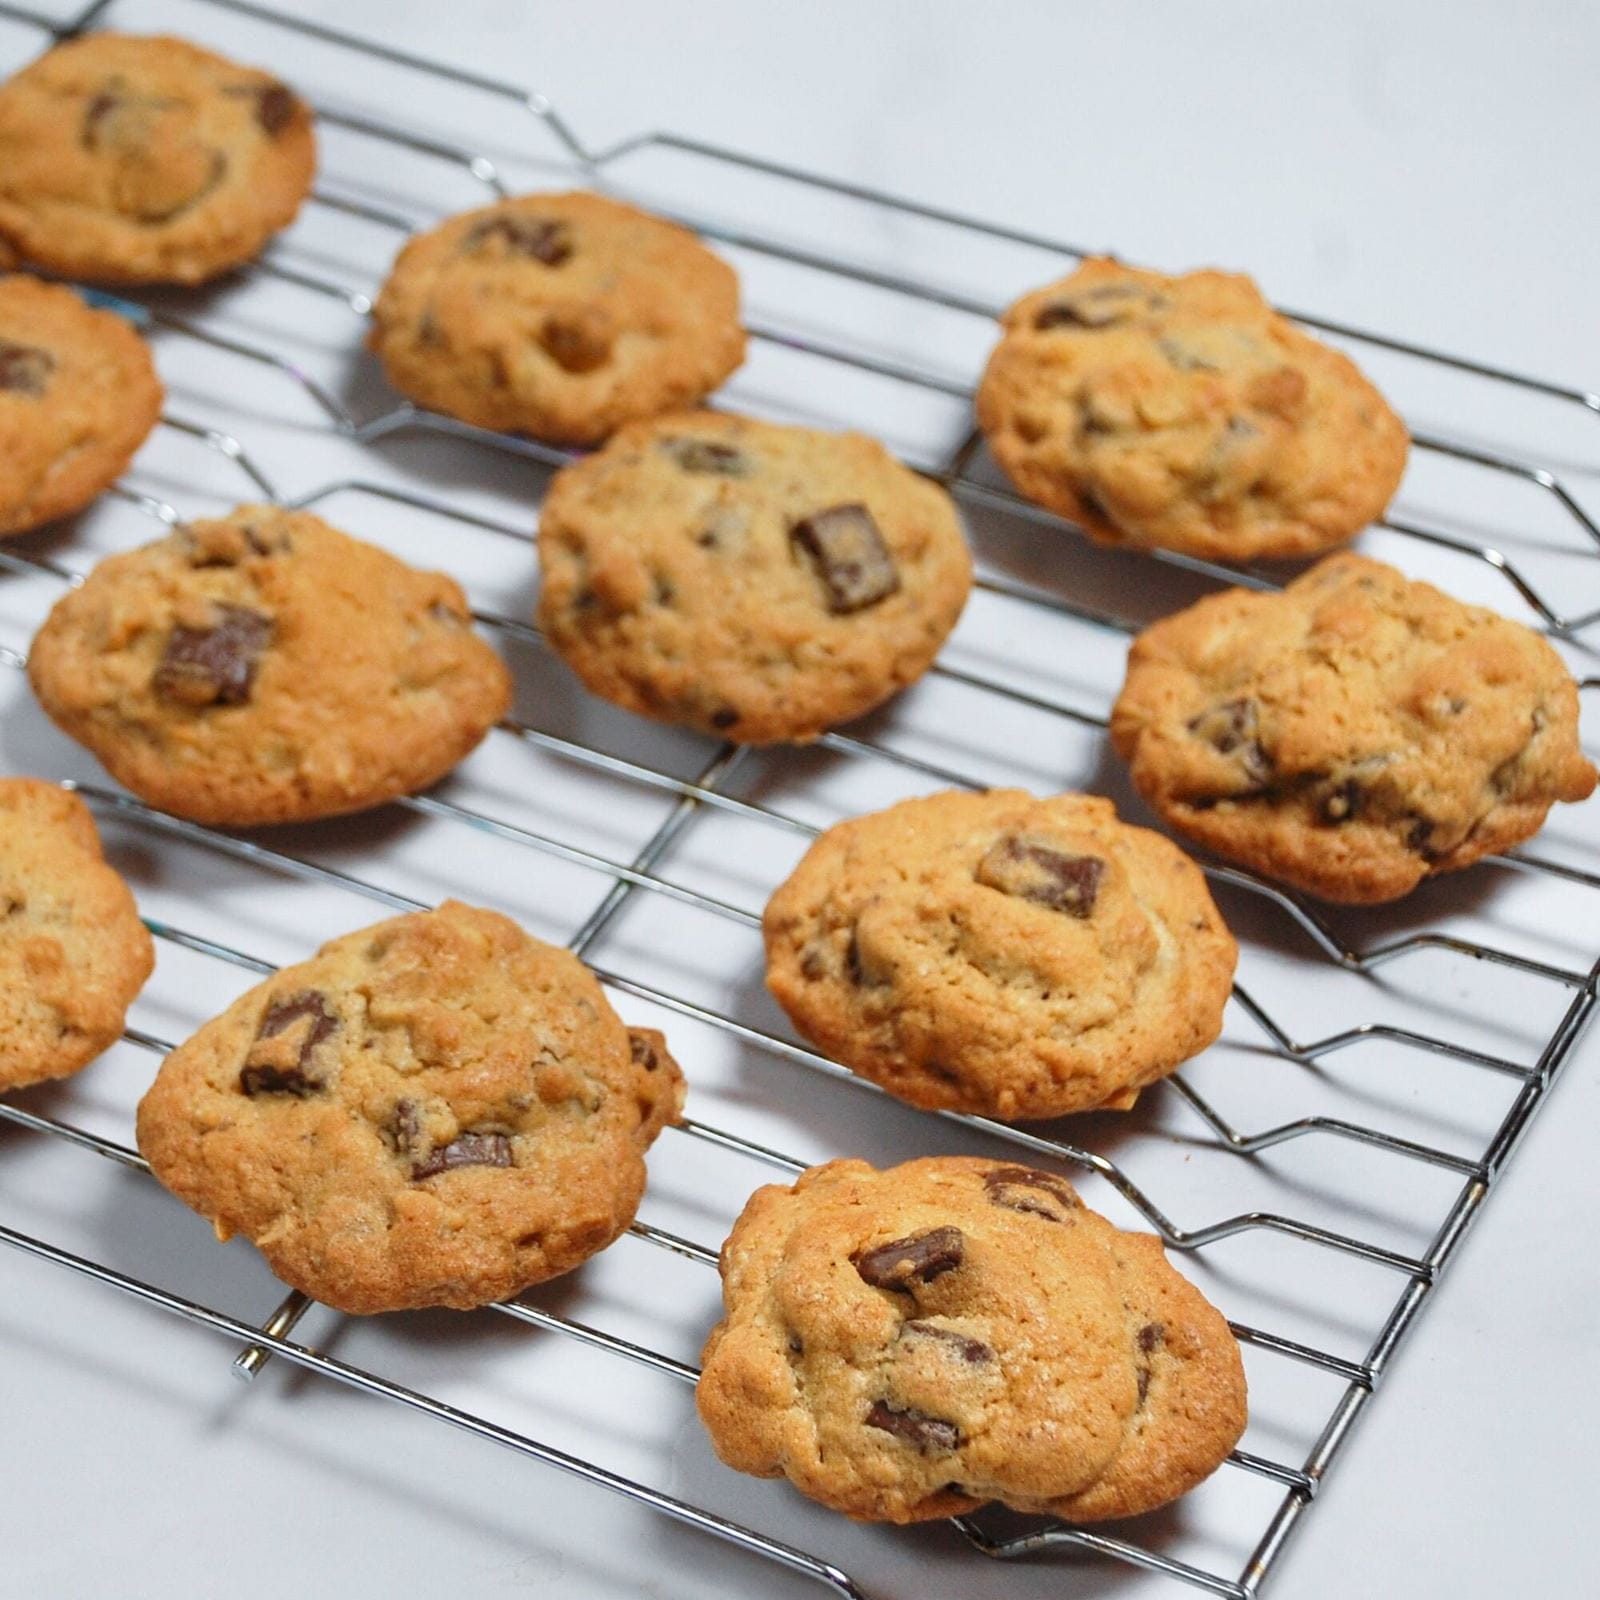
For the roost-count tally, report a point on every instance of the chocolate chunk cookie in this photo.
(1185, 413)
(1353, 735)
(436, 1111)
(1000, 954)
(558, 315)
(757, 582)
(73, 952)
(911, 1344)
(266, 668)
(78, 395)
(147, 160)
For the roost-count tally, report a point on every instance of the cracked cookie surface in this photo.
(558, 315)
(1185, 413)
(126, 159)
(917, 1342)
(757, 582)
(78, 396)
(1000, 954)
(436, 1111)
(264, 667)
(1354, 734)
(73, 952)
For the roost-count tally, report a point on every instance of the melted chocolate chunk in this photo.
(1099, 307)
(644, 1049)
(1341, 802)
(918, 1259)
(1031, 870)
(264, 1072)
(1151, 1335)
(973, 1351)
(274, 109)
(1232, 729)
(465, 1150)
(25, 369)
(1039, 1194)
(707, 455)
(845, 547)
(214, 666)
(544, 239)
(915, 1427)
(724, 717)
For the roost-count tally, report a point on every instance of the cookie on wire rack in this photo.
(1000, 954)
(126, 159)
(73, 952)
(264, 667)
(1352, 735)
(921, 1341)
(1184, 413)
(758, 582)
(557, 315)
(439, 1110)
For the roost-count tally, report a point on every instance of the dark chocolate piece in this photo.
(25, 369)
(845, 547)
(707, 455)
(544, 239)
(1231, 729)
(267, 1077)
(1029, 869)
(918, 1259)
(973, 1351)
(465, 1150)
(915, 1427)
(214, 666)
(1026, 1189)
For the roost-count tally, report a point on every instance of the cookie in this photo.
(558, 315)
(918, 1342)
(266, 668)
(78, 395)
(1352, 735)
(1000, 954)
(147, 160)
(436, 1111)
(73, 952)
(757, 582)
(1186, 414)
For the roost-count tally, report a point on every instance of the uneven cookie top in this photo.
(1000, 954)
(1352, 735)
(917, 1342)
(757, 582)
(1185, 413)
(73, 952)
(78, 395)
(438, 1110)
(147, 160)
(558, 315)
(265, 667)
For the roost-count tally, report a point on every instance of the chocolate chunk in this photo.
(1151, 1335)
(214, 666)
(707, 455)
(465, 1150)
(1026, 1189)
(852, 959)
(1341, 802)
(723, 717)
(544, 239)
(920, 1258)
(1032, 870)
(848, 552)
(265, 1071)
(274, 109)
(1420, 838)
(1232, 729)
(973, 1351)
(915, 1427)
(645, 1045)
(1099, 307)
(25, 369)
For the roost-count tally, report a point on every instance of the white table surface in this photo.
(1424, 169)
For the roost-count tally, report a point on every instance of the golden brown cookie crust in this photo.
(147, 160)
(73, 952)
(1184, 413)
(265, 668)
(1352, 735)
(78, 396)
(558, 315)
(436, 1111)
(683, 576)
(1000, 954)
(918, 1342)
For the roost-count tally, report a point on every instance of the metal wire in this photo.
(705, 792)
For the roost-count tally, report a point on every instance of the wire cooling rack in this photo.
(1337, 1194)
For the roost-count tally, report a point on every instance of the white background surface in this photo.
(1424, 169)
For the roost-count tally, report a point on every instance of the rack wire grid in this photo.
(1337, 1191)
